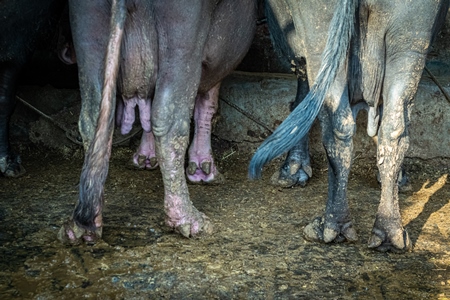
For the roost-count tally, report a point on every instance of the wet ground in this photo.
(257, 250)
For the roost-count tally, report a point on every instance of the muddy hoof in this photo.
(313, 232)
(194, 226)
(291, 174)
(192, 168)
(317, 231)
(72, 234)
(11, 166)
(186, 229)
(286, 181)
(397, 242)
(207, 173)
(142, 162)
(216, 180)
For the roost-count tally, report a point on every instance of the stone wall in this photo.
(266, 97)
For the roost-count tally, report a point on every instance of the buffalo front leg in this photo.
(296, 169)
(201, 168)
(145, 156)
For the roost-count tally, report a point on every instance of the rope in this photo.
(70, 135)
(246, 114)
(68, 132)
(438, 84)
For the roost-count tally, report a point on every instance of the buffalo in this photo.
(371, 51)
(164, 57)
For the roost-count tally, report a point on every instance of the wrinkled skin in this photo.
(162, 55)
(25, 26)
(296, 169)
(201, 167)
(387, 55)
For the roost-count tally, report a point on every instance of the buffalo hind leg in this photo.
(173, 103)
(90, 27)
(338, 128)
(403, 181)
(388, 233)
(170, 123)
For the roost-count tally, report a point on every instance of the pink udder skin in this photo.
(125, 115)
(201, 166)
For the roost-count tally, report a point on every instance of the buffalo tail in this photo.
(300, 120)
(96, 163)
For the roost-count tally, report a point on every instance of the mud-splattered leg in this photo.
(201, 166)
(173, 103)
(372, 129)
(388, 233)
(338, 128)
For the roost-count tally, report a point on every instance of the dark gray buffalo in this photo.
(375, 52)
(165, 56)
(26, 25)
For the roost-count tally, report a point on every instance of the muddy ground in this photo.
(256, 252)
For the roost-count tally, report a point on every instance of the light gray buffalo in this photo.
(356, 50)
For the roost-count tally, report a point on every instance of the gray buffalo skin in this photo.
(372, 51)
(163, 56)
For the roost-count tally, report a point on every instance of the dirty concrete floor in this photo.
(256, 252)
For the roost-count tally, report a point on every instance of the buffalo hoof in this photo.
(394, 240)
(319, 231)
(72, 234)
(204, 173)
(193, 225)
(292, 173)
(143, 162)
(11, 166)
